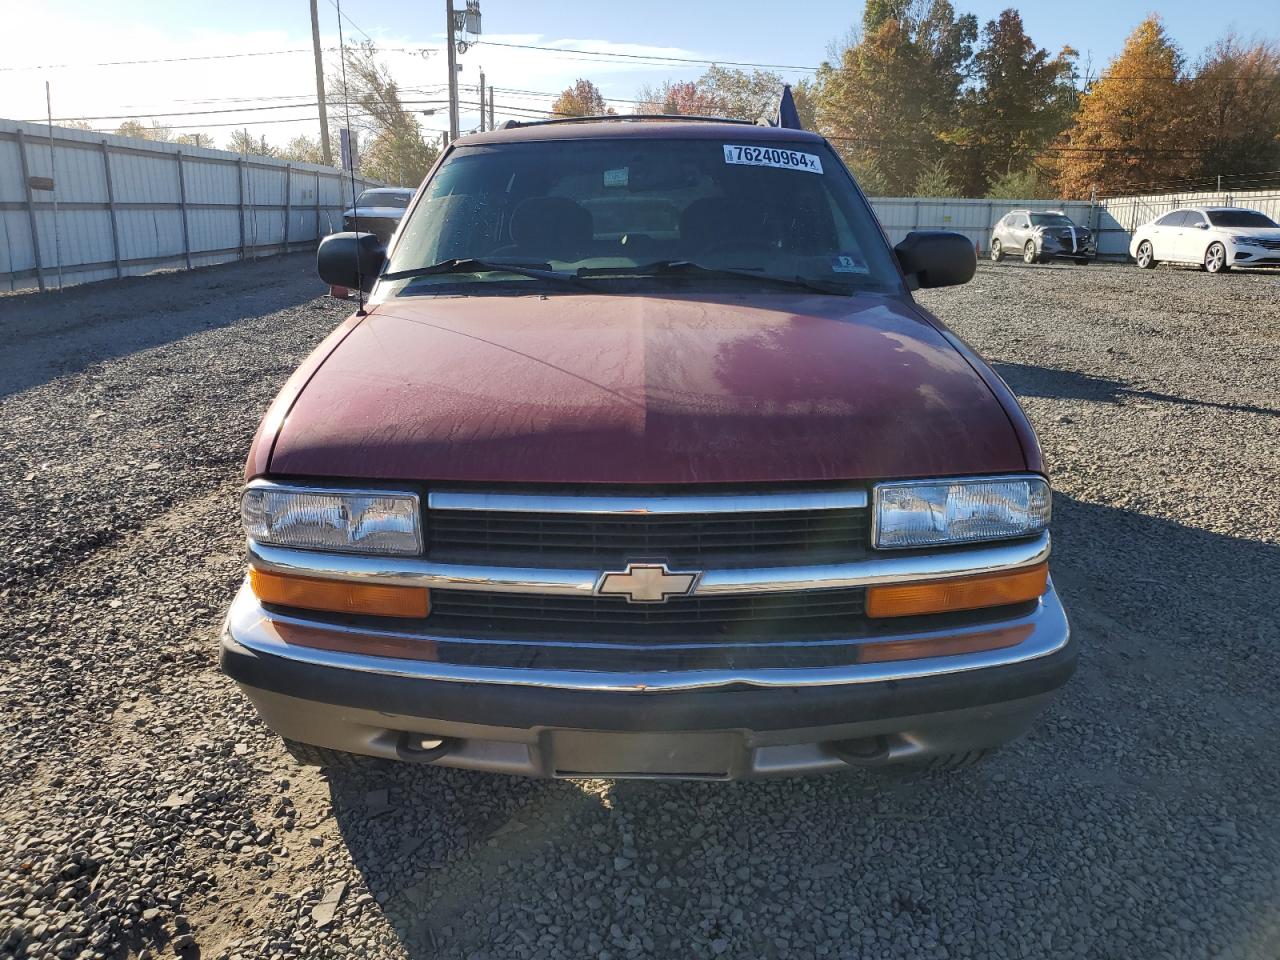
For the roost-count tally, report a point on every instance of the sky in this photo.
(66, 39)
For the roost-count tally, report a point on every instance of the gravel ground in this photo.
(145, 811)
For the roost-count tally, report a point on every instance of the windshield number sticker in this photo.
(772, 157)
(847, 263)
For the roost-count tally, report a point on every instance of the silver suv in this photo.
(1041, 235)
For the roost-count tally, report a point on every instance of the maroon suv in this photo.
(642, 461)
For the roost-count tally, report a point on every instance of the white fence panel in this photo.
(128, 206)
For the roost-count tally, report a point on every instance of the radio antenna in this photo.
(351, 154)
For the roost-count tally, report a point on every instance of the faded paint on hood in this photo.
(645, 389)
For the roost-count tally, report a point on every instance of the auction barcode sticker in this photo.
(772, 157)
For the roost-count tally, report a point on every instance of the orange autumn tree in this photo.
(1132, 126)
(583, 99)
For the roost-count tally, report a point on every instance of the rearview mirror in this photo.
(351, 260)
(936, 258)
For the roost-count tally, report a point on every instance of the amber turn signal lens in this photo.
(962, 593)
(339, 596)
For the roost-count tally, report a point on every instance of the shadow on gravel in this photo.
(1033, 381)
(1166, 582)
(1146, 796)
(58, 334)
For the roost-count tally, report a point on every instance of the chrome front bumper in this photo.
(723, 723)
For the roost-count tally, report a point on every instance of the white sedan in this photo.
(1216, 238)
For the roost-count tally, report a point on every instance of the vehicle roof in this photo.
(642, 128)
(1217, 208)
(408, 190)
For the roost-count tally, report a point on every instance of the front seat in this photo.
(551, 228)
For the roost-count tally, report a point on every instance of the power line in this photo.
(130, 63)
(185, 113)
(350, 21)
(619, 56)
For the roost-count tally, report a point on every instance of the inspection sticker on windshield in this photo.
(848, 263)
(772, 157)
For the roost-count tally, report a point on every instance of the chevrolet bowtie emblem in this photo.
(646, 583)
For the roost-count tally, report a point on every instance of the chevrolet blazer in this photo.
(642, 461)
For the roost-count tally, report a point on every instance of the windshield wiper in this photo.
(661, 268)
(527, 268)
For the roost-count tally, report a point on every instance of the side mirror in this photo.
(936, 258)
(350, 260)
(1202, 225)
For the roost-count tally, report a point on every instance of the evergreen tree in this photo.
(1022, 100)
(893, 93)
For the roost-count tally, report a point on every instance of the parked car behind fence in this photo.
(1038, 236)
(1215, 238)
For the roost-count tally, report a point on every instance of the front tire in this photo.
(1215, 259)
(997, 251)
(309, 755)
(1146, 255)
(1029, 252)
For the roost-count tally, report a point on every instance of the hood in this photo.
(386, 213)
(645, 389)
(1256, 233)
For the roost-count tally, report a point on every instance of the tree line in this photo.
(923, 101)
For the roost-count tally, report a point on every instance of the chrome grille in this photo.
(697, 532)
(380, 227)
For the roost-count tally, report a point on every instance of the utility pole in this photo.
(482, 104)
(458, 21)
(491, 126)
(324, 112)
(450, 26)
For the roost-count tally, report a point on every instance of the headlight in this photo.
(943, 512)
(351, 521)
(1247, 241)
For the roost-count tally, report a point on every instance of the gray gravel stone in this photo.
(1136, 820)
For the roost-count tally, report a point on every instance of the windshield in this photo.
(1239, 218)
(384, 198)
(599, 208)
(1050, 220)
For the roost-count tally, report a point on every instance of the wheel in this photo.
(1146, 256)
(1082, 262)
(312, 756)
(1029, 252)
(1215, 258)
(997, 251)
